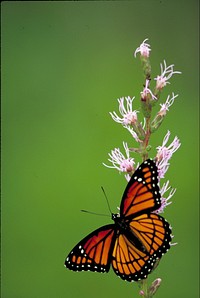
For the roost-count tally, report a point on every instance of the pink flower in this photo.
(165, 200)
(147, 91)
(166, 74)
(128, 115)
(154, 287)
(129, 118)
(165, 106)
(143, 49)
(120, 162)
(165, 153)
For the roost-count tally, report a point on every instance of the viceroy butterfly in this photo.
(137, 239)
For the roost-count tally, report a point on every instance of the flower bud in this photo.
(154, 287)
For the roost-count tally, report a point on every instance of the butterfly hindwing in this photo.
(133, 263)
(93, 252)
(142, 192)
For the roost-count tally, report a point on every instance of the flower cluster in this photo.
(141, 131)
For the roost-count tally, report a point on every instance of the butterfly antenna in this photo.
(106, 199)
(90, 212)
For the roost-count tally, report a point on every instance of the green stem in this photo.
(144, 287)
(146, 107)
(146, 292)
(145, 143)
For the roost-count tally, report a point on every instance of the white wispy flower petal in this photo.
(133, 133)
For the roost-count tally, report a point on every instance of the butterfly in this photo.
(136, 240)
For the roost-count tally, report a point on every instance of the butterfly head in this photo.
(115, 217)
(120, 222)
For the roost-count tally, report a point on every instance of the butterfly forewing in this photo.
(142, 192)
(93, 252)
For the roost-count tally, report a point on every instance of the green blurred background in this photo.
(64, 64)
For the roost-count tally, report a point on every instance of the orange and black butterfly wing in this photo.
(94, 252)
(133, 262)
(142, 192)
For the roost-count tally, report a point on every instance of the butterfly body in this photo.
(123, 228)
(136, 240)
